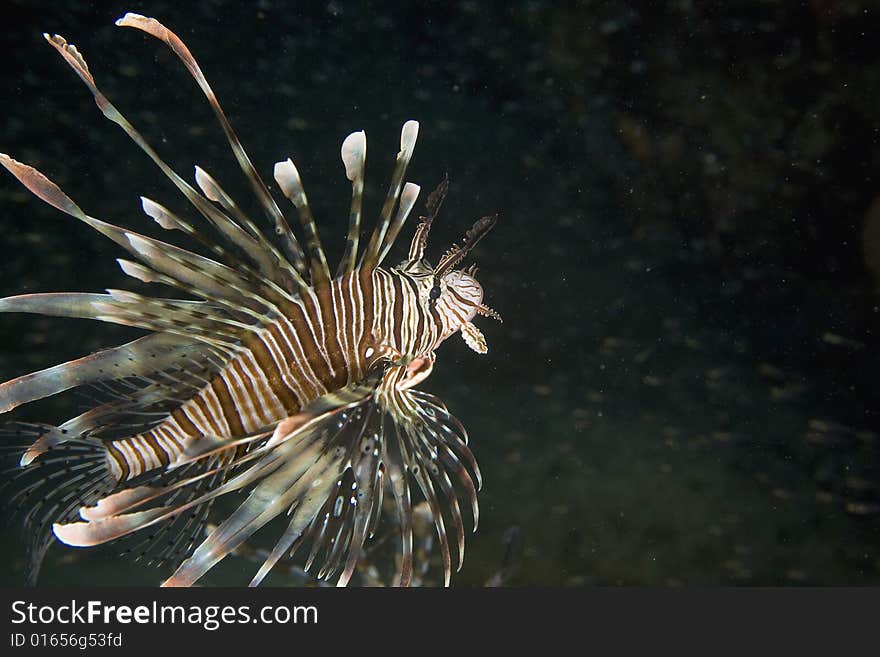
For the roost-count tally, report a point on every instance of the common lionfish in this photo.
(275, 379)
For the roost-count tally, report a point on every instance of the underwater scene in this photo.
(653, 266)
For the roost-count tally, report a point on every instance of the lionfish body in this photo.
(278, 379)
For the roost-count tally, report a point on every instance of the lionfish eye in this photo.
(434, 294)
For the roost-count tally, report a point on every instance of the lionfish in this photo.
(275, 379)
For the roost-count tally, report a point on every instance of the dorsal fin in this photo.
(407, 200)
(75, 59)
(432, 205)
(354, 155)
(241, 231)
(288, 179)
(408, 136)
(155, 29)
(234, 294)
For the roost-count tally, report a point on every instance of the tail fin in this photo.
(55, 476)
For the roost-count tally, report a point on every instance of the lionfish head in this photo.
(455, 294)
(461, 291)
(459, 298)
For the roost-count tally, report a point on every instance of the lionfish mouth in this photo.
(269, 382)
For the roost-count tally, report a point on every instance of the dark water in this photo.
(683, 390)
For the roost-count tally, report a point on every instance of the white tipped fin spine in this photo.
(287, 176)
(377, 245)
(354, 155)
(288, 179)
(408, 197)
(163, 216)
(408, 136)
(157, 30)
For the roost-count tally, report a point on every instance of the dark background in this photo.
(683, 390)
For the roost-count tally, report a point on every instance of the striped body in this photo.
(323, 342)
